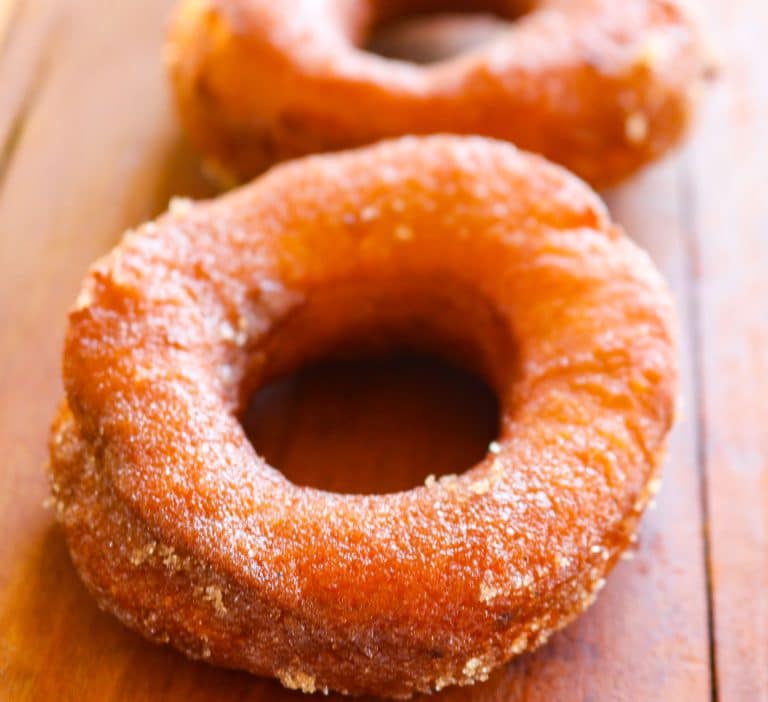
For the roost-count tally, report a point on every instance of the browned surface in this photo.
(93, 149)
(599, 86)
(562, 313)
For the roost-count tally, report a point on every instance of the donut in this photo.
(599, 86)
(461, 246)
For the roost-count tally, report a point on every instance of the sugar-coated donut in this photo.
(463, 246)
(599, 86)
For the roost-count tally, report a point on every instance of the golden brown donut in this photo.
(463, 246)
(600, 86)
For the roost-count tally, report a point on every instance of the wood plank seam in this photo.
(31, 90)
(693, 314)
(16, 129)
(10, 11)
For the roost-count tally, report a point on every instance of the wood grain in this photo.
(27, 37)
(91, 147)
(729, 217)
(7, 10)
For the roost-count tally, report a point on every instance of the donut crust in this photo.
(463, 246)
(599, 86)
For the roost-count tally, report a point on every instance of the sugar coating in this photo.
(179, 206)
(214, 596)
(488, 591)
(187, 536)
(297, 680)
(636, 127)
(141, 554)
(476, 669)
(480, 487)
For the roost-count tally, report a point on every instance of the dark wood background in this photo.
(89, 146)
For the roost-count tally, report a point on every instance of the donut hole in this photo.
(371, 385)
(429, 32)
(373, 426)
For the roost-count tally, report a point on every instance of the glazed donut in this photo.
(599, 86)
(464, 246)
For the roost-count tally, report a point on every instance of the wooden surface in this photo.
(89, 146)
